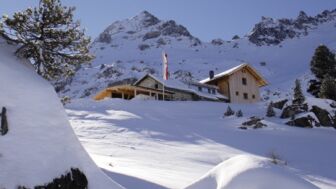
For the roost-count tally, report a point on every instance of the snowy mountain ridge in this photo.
(273, 32)
(128, 49)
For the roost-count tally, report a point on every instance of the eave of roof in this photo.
(262, 82)
(179, 87)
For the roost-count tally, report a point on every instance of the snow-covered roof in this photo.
(260, 79)
(176, 84)
(201, 84)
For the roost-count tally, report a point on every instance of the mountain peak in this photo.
(302, 16)
(147, 19)
(145, 14)
(146, 26)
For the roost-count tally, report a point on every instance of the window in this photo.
(213, 91)
(199, 88)
(209, 90)
(253, 96)
(245, 96)
(244, 81)
(237, 93)
(156, 86)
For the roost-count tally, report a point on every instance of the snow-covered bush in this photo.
(270, 112)
(276, 158)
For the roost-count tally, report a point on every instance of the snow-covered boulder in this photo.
(247, 171)
(40, 144)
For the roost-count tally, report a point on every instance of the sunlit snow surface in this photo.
(173, 144)
(40, 144)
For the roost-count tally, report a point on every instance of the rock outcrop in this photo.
(273, 32)
(304, 122)
(323, 116)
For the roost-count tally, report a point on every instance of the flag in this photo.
(165, 66)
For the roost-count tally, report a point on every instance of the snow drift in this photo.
(40, 144)
(246, 171)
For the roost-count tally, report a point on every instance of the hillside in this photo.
(154, 144)
(40, 144)
(174, 144)
(132, 47)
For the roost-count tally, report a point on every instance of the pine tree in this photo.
(323, 62)
(229, 111)
(239, 113)
(270, 111)
(328, 88)
(298, 95)
(49, 37)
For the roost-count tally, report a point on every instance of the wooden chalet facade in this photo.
(152, 87)
(128, 92)
(240, 84)
(237, 85)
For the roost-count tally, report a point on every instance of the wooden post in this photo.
(4, 123)
(135, 92)
(122, 95)
(163, 87)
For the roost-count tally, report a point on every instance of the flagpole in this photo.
(163, 88)
(165, 72)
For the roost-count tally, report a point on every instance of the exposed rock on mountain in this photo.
(133, 47)
(273, 32)
(145, 26)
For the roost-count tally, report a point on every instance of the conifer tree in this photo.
(328, 88)
(239, 113)
(49, 37)
(323, 62)
(270, 111)
(298, 95)
(229, 111)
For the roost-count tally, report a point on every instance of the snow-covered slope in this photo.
(132, 47)
(40, 144)
(246, 171)
(173, 144)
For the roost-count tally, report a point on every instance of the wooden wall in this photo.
(103, 94)
(149, 82)
(236, 85)
(223, 86)
(178, 95)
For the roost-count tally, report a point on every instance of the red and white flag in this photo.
(165, 66)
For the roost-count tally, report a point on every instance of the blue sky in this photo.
(205, 19)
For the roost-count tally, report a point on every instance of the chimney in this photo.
(211, 74)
